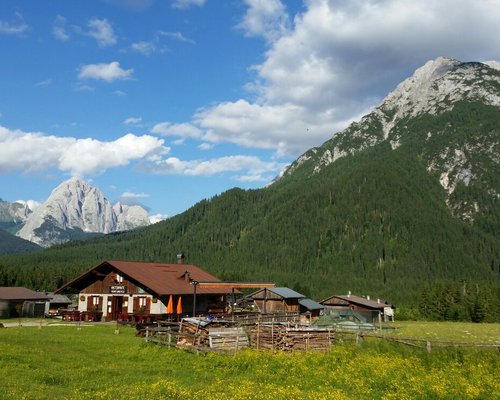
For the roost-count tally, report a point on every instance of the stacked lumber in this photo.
(193, 332)
(228, 338)
(200, 333)
(280, 337)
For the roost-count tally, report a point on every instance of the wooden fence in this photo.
(284, 338)
(425, 344)
(281, 336)
(250, 319)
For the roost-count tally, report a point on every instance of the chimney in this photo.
(349, 294)
(367, 297)
(187, 276)
(180, 258)
(378, 301)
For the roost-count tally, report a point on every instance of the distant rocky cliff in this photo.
(76, 209)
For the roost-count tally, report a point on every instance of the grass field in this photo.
(61, 362)
(456, 331)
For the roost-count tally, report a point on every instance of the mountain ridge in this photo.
(379, 220)
(76, 209)
(435, 89)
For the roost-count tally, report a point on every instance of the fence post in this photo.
(272, 333)
(428, 346)
(258, 334)
(359, 339)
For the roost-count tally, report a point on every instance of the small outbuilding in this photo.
(311, 309)
(285, 300)
(275, 300)
(57, 304)
(22, 302)
(358, 309)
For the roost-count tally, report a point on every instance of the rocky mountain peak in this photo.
(75, 208)
(433, 89)
(448, 112)
(436, 86)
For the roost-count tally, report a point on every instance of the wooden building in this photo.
(361, 309)
(57, 303)
(276, 300)
(129, 290)
(21, 302)
(310, 309)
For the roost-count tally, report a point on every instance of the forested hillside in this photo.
(10, 243)
(375, 223)
(398, 206)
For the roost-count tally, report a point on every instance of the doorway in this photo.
(116, 307)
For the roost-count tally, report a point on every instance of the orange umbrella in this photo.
(179, 305)
(170, 305)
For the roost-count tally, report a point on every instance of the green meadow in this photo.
(93, 362)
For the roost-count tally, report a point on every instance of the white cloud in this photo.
(146, 48)
(285, 128)
(83, 88)
(183, 130)
(177, 36)
(46, 82)
(106, 72)
(235, 164)
(35, 151)
(32, 204)
(59, 29)
(206, 146)
(16, 27)
(185, 4)
(102, 31)
(132, 195)
(157, 218)
(336, 62)
(133, 199)
(266, 18)
(133, 121)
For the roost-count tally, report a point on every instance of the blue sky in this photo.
(166, 103)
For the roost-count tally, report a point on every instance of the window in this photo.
(119, 278)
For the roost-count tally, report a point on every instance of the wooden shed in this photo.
(57, 303)
(138, 291)
(310, 310)
(276, 300)
(361, 309)
(21, 302)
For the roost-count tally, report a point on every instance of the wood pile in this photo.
(193, 332)
(223, 335)
(226, 338)
(281, 337)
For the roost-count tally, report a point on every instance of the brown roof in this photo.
(20, 293)
(159, 278)
(375, 304)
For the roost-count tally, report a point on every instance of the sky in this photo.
(165, 103)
